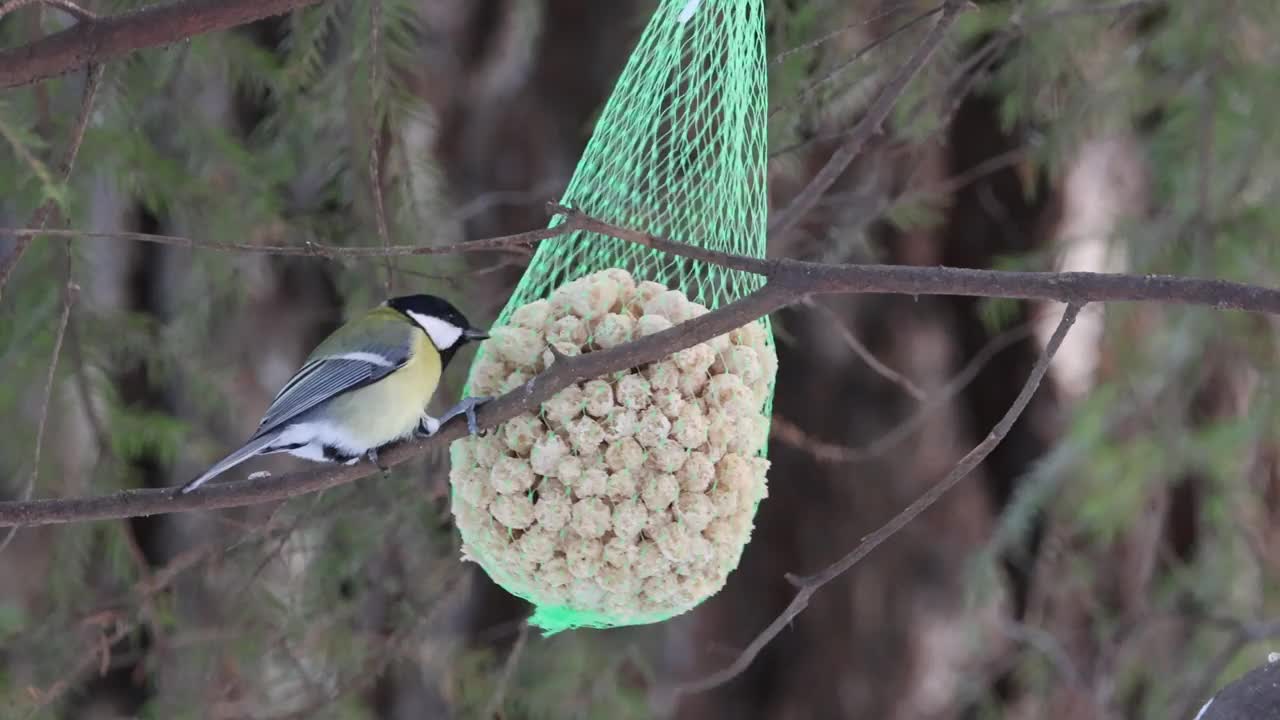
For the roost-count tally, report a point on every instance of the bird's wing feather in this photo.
(328, 376)
(242, 453)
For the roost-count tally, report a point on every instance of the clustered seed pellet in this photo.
(630, 496)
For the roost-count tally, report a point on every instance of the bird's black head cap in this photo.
(447, 327)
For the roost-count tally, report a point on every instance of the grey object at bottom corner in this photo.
(1254, 696)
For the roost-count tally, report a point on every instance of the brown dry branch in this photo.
(806, 586)
(788, 282)
(95, 41)
(791, 434)
(868, 357)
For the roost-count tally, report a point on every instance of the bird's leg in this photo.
(428, 426)
(465, 406)
(372, 454)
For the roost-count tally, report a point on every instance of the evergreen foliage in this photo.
(262, 136)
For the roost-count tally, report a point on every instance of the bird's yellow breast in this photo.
(390, 408)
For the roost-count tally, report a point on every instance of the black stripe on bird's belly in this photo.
(333, 454)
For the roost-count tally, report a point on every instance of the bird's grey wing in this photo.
(324, 378)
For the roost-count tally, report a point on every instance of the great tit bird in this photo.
(365, 386)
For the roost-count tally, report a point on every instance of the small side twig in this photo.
(68, 297)
(789, 433)
(806, 586)
(866, 355)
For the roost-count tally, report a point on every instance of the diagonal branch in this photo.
(133, 503)
(786, 432)
(95, 41)
(806, 586)
(853, 343)
(69, 292)
(870, 124)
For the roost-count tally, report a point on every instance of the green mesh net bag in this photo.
(628, 499)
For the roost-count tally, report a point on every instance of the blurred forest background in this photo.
(1115, 557)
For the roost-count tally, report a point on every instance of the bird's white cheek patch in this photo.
(443, 334)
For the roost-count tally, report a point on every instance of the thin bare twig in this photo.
(866, 355)
(68, 297)
(869, 125)
(66, 6)
(821, 39)
(812, 278)
(791, 434)
(819, 278)
(806, 586)
(8, 7)
(72, 9)
(69, 289)
(42, 214)
(809, 89)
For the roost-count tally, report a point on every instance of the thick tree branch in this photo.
(788, 281)
(133, 503)
(95, 41)
(1066, 287)
(815, 278)
(808, 585)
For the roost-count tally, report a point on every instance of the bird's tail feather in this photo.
(246, 451)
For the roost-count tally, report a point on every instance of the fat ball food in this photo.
(626, 499)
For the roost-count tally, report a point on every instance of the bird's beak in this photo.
(475, 334)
